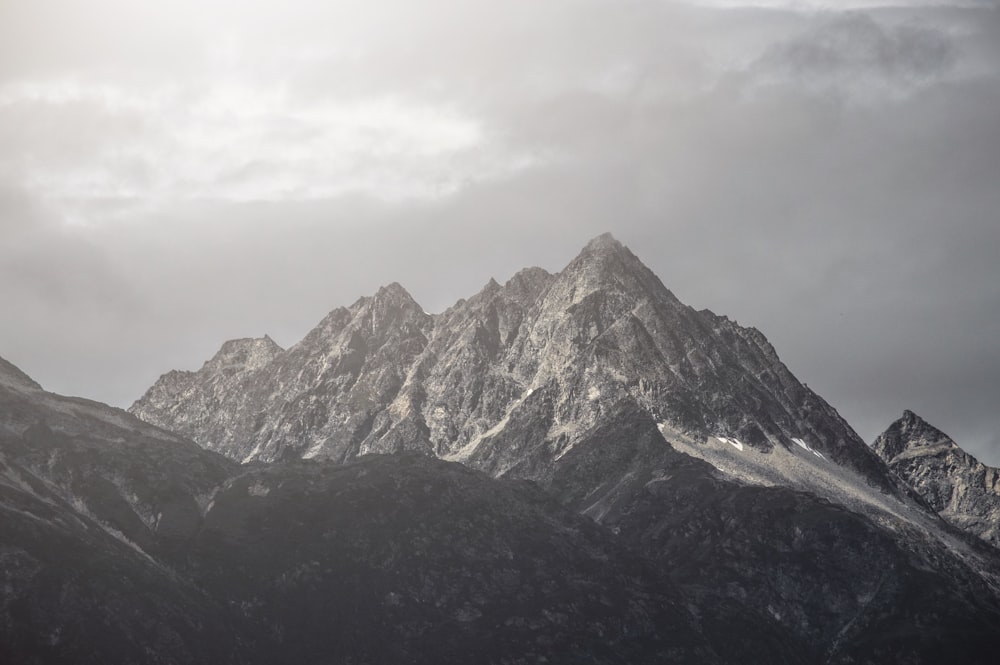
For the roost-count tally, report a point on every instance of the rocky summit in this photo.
(959, 487)
(507, 381)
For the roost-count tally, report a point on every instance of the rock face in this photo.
(507, 381)
(961, 489)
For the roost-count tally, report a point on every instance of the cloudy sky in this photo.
(174, 174)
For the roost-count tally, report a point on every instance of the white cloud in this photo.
(234, 141)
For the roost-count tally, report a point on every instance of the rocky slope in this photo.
(123, 543)
(961, 489)
(842, 586)
(91, 498)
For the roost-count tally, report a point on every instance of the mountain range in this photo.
(566, 468)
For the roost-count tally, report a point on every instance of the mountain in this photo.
(121, 542)
(553, 353)
(677, 431)
(961, 489)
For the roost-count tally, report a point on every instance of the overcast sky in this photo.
(174, 174)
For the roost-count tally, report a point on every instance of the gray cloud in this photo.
(827, 177)
(846, 46)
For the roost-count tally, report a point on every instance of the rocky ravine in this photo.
(959, 487)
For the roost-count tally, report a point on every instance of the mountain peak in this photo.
(245, 353)
(963, 490)
(605, 248)
(920, 430)
(394, 292)
(911, 435)
(608, 267)
(527, 284)
(392, 296)
(605, 254)
(604, 242)
(492, 285)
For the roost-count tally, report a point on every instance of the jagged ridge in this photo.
(383, 376)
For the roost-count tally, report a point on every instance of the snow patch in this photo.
(594, 393)
(735, 443)
(806, 447)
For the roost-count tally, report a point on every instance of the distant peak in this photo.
(393, 301)
(393, 289)
(391, 308)
(532, 274)
(604, 250)
(604, 263)
(912, 422)
(527, 284)
(911, 433)
(394, 293)
(604, 242)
